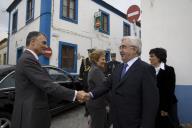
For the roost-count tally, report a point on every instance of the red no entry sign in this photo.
(48, 52)
(133, 13)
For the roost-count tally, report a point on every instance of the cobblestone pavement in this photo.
(73, 118)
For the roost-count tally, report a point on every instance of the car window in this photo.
(9, 81)
(57, 75)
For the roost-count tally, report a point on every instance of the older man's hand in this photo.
(82, 96)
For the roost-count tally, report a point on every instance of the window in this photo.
(58, 75)
(19, 52)
(68, 57)
(126, 29)
(104, 22)
(30, 10)
(4, 58)
(14, 22)
(69, 10)
(9, 81)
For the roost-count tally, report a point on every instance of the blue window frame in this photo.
(19, 52)
(126, 29)
(105, 23)
(69, 10)
(14, 21)
(30, 10)
(68, 56)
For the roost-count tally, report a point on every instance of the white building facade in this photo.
(71, 27)
(167, 24)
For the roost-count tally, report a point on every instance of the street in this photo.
(73, 118)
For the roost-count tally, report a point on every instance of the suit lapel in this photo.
(119, 72)
(32, 57)
(128, 73)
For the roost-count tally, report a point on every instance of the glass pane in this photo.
(126, 30)
(64, 2)
(64, 11)
(105, 29)
(68, 58)
(71, 14)
(72, 4)
(29, 9)
(14, 24)
(9, 81)
(65, 6)
(57, 75)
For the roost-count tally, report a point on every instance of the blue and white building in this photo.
(72, 27)
(167, 24)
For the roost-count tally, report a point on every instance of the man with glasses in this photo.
(134, 100)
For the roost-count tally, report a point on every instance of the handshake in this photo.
(83, 96)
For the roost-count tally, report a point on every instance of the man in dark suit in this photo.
(112, 64)
(33, 84)
(135, 96)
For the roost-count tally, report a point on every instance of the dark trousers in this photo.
(98, 117)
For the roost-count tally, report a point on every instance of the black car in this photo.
(7, 91)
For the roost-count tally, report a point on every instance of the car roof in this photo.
(5, 69)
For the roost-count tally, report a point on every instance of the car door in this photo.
(60, 77)
(7, 88)
(7, 95)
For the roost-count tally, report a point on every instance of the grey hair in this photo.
(134, 41)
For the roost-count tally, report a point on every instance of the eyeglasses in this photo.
(44, 42)
(125, 47)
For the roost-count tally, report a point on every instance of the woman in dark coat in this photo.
(96, 77)
(167, 114)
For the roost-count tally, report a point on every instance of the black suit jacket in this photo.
(134, 97)
(166, 85)
(96, 78)
(31, 101)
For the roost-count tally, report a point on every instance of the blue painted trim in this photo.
(31, 18)
(103, 13)
(19, 48)
(126, 24)
(45, 25)
(15, 30)
(66, 18)
(111, 8)
(184, 96)
(62, 44)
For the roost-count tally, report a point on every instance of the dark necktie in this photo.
(124, 70)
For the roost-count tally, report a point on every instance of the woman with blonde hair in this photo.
(96, 77)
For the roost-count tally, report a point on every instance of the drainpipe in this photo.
(8, 38)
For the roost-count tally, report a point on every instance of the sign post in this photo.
(133, 14)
